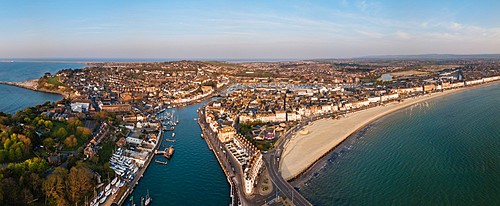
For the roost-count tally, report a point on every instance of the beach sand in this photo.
(302, 151)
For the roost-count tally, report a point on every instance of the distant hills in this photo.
(434, 56)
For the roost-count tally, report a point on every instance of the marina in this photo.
(180, 179)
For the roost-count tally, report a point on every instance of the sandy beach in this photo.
(304, 150)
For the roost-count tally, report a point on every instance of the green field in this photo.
(54, 81)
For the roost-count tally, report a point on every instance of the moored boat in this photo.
(169, 152)
(148, 199)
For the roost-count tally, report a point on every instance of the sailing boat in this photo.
(148, 199)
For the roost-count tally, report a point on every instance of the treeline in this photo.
(33, 182)
(26, 177)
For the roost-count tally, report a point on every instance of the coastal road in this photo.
(271, 159)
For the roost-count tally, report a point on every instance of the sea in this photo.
(13, 98)
(442, 152)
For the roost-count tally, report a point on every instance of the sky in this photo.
(246, 29)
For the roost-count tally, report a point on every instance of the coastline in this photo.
(303, 153)
(33, 85)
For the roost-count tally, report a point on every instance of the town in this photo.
(115, 116)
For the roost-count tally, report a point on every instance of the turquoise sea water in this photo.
(193, 175)
(12, 98)
(444, 152)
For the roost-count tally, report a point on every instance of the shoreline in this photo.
(303, 153)
(32, 85)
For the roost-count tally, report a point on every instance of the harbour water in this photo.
(443, 152)
(13, 98)
(192, 176)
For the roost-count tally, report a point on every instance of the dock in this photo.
(131, 185)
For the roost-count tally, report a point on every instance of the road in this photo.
(285, 188)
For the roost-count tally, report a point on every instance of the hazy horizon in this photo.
(246, 30)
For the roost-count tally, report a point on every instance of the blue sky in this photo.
(246, 29)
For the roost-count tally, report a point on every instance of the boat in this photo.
(114, 190)
(107, 187)
(160, 162)
(122, 183)
(201, 135)
(94, 201)
(173, 134)
(100, 194)
(117, 183)
(102, 200)
(148, 199)
(170, 140)
(107, 193)
(114, 181)
(169, 152)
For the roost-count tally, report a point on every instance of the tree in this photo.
(71, 141)
(48, 124)
(3, 155)
(55, 186)
(48, 142)
(12, 155)
(10, 191)
(7, 144)
(61, 133)
(73, 123)
(18, 154)
(80, 182)
(84, 132)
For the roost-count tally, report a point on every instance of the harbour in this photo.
(179, 182)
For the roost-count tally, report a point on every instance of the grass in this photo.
(54, 81)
